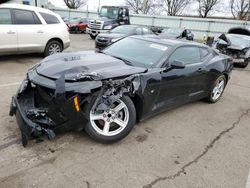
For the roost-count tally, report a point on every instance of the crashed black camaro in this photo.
(106, 92)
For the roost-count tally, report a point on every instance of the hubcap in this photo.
(218, 89)
(111, 121)
(54, 48)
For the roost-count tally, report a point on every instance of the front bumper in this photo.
(39, 113)
(66, 44)
(95, 32)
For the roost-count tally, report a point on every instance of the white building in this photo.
(40, 3)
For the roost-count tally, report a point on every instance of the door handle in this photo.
(11, 32)
(40, 31)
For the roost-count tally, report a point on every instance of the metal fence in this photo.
(199, 26)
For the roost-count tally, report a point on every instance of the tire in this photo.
(95, 126)
(93, 36)
(215, 94)
(57, 48)
(244, 65)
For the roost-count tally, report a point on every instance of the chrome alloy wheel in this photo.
(218, 89)
(111, 121)
(54, 48)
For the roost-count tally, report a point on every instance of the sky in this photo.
(93, 5)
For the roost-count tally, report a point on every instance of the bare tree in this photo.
(143, 6)
(75, 4)
(175, 7)
(206, 6)
(240, 8)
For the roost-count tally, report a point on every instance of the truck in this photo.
(109, 17)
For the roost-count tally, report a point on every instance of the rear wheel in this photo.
(112, 124)
(217, 89)
(53, 47)
(245, 64)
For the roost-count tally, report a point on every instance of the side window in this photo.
(204, 53)
(50, 19)
(188, 55)
(146, 31)
(25, 17)
(138, 31)
(5, 16)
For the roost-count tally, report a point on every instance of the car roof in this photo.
(168, 42)
(26, 7)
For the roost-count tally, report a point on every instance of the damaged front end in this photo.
(239, 53)
(43, 106)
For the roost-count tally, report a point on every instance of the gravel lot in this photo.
(197, 145)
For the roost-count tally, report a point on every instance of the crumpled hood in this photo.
(85, 64)
(111, 35)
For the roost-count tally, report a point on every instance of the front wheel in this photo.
(112, 124)
(93, 36)
(217, 89)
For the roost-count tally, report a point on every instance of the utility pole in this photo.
(99, 5)
(36, 3)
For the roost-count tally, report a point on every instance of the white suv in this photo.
(28, 29)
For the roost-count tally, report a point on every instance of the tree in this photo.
(240, 8)
(206, 6)
(175, 7)
(143, 6)
(75, 4)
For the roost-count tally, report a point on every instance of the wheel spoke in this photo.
(119, 107)
(120, 122)
(96, 117)
(220, 84)
(106, 128)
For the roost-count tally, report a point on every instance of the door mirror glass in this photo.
(176, 64)
(222, 43)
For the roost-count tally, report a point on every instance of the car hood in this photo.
(112, 35)
(87, 64)
(104, 19)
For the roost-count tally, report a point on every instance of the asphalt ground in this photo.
(193, 146)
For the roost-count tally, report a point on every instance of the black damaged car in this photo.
(105, 93)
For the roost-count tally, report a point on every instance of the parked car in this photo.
(77, 25)
(235, 44)
(106, 92)
(104, 39)
(28, 29)
(177, 33)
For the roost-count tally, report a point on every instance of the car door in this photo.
(8, 33)
(179, 86)
(30, 31)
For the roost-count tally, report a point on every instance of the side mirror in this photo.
(177, 64)
(222, 43)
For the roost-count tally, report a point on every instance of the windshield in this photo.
(138, 52)
(109, 12)
(173, 31)
(126, 29)
(239, 40)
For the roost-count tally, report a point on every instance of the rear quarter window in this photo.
(5, 16)
(25, 17)
(49, 18)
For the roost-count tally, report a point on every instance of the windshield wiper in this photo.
(124, 60)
